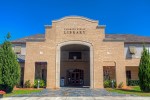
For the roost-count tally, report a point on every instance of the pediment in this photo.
(75, 17)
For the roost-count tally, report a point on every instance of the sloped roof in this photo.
(33, 37)
(128, 38)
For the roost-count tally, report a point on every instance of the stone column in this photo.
(98, 74)
(29, 71)
(120, 73)
(51, 70)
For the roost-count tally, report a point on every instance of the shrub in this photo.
(27, 84)
(6, 88)
(108, 84)
(120, 85)
(144, 70)
(42, 83)
(9, 66)
(133, 82)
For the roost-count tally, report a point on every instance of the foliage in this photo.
(108, 84)
(42, 83)
(120, 85)
(27, 84)
(133, 82)
(0, 65)
(8, 36)
(144, 70)
(9, 67)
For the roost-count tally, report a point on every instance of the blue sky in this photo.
(27, 17)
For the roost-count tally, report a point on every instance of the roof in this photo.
(33, 37)
(127, 38)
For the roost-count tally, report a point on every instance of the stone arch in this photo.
(58, 52)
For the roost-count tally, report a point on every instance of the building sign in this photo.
(74, 30)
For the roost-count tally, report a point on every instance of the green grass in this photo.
(17, 92)
(134, 91)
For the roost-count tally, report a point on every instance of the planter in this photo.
(1, 95)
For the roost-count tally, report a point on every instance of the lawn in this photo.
(24, 91)
(135, 90)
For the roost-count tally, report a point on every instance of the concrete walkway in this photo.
(77, 98)
(76, 94)
(73, 92)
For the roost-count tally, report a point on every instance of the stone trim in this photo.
(75, 17)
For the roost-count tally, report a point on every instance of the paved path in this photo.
(77, 98)
(75, 94)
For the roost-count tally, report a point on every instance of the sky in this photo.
(27, 17)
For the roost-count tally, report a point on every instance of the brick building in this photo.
(77, 50)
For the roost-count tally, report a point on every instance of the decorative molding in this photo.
(75, 17)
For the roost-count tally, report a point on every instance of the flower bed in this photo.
(2, 93)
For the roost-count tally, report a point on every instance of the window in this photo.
(43, 71)
(74, 55)
(17, 49)
(132, 50)
(128, 75)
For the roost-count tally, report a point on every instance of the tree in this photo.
(144, 70)
(0, 65)
(10, 69)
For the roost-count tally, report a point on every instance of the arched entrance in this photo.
(74, 58)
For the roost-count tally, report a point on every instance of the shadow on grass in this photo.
(125, 90)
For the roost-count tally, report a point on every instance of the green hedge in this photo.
(133, 82)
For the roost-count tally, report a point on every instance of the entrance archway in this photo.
(72, 58)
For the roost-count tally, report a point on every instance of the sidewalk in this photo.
(77, 98)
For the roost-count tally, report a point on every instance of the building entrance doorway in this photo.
(75, 77)
(75, 62)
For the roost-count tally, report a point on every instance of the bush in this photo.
(133, 82)
(120, 85)
(27, 84)
(144, 70)
(6, 88)
(9, 66)
(108, 84)
(42, 83)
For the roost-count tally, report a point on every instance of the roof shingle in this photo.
(127, 38)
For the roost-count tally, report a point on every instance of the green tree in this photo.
(10, 69)
(144, 70)
(0, 65)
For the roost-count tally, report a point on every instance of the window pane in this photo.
(73, 55)
(128, 74)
